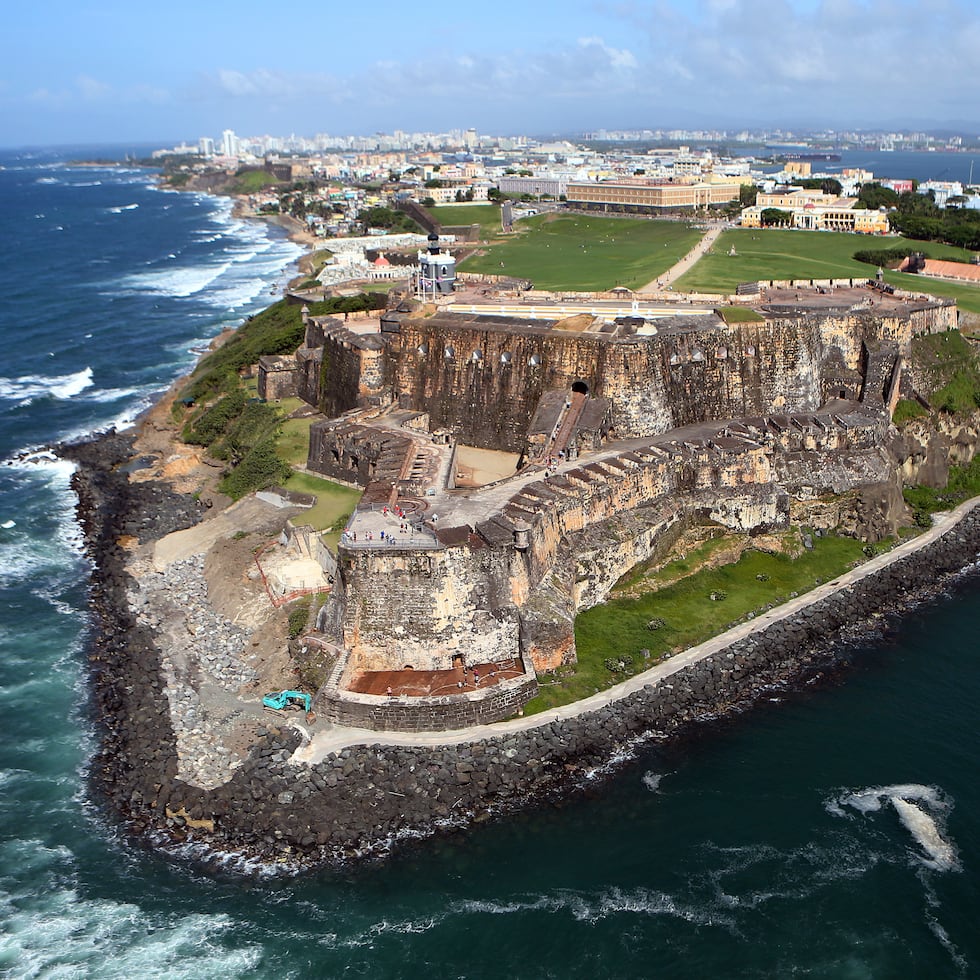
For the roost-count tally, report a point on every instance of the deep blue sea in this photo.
(829, 834)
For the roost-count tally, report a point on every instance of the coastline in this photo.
(296, 806)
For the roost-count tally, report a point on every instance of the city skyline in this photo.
(115, 72)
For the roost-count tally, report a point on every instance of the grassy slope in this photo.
(487, 216)
(618, 628)
(776, 254)
(575, 252)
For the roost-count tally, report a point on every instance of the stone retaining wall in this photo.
(417, 714)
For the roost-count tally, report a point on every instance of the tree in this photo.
(428, 202)
(874, 196)
(775, 216)
(747, 195)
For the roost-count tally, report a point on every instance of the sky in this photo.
(94, 71)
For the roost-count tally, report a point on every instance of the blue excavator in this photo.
(281, 700)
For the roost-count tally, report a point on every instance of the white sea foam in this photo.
(925, 831)
(47, 180)
(31, 386)
(921, 810)
(652, 781)
(60, 932)
(124, 207)
(178, 282)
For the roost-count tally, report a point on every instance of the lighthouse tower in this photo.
(437, 271)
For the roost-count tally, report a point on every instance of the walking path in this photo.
(679, 268)
(336, 737)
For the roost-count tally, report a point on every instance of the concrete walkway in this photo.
(679, 268)
(335, 737)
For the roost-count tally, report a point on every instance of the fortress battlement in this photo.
(624, 432)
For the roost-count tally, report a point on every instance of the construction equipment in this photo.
(281, 700)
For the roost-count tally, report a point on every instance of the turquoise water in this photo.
(832, 833)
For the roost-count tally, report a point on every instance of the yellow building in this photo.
(646, 196)
(837, 214)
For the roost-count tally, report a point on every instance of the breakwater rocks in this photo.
(356, 801)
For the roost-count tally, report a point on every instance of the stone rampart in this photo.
(482, 378)
(385, 713)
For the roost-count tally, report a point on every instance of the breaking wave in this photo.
(31, 386)
(921, 810)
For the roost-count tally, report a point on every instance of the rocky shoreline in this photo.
(274, 811)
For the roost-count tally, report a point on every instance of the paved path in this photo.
(336, 737)
(679, 268)
(245, 515)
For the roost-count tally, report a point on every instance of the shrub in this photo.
(260, 468)
(210, 423)
(299, 615)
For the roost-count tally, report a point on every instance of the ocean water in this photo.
(829, 833)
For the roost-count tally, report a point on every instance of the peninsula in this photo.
(612, 427)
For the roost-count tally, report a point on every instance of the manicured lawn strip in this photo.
(618, 629)
(739, 314)
(778, 254)
(487, 216)
(967, 297)
(334, 504)
(579, 253)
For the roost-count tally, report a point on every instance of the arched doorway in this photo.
(580, 388)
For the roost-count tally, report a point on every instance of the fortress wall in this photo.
(683, 375)
(489, 402)
(934, 319)
(433, 714)
(420, 608)
(308, 362)
(339, 378)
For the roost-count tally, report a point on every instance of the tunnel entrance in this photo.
(580, 388)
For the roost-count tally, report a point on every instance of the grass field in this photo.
(334, 504)
(777, 254)
(575, 252)
(618, 630)
(487, 216)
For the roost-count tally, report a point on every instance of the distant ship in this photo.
(813, 156)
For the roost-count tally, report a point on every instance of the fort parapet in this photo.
(626, 431)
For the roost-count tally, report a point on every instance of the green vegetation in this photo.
(967, 297)
(276, 330)
(685, 615)
(918, 217)
(334, 504)
(776, 254)
(906, 410)
(776, 216)
(887, 258)
(963, 483)
(259, 468)
(250, 181)
(240, 429)
(948, 367)
(739, 314)
(487, 216)
(382, 217)
(575, 252)
(299, 616)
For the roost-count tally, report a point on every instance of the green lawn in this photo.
(617, 630)
(967, 297)
(487, 216)
(575, 252)
(778, 254)
(334, 504)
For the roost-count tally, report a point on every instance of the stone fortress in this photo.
(450, 600)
